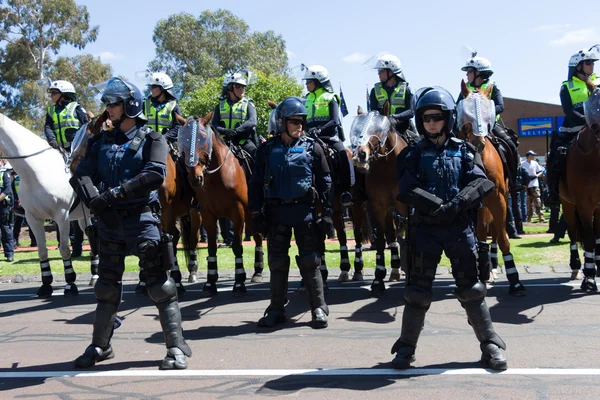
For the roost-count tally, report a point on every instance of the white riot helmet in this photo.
(389, 61)
(317, 72)
(163, 80)
(65, 87)
(480, 64)
(583, 55)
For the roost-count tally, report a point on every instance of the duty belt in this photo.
(129, 212)
(307, 199)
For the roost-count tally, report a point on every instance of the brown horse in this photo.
(580, 192)
(376, 147)
(476, 118)
(222, 191)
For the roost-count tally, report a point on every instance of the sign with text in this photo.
(536, 126)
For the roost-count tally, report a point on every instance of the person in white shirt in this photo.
(534, 202)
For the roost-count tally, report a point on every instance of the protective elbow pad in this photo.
(85, 188)
(141, 185)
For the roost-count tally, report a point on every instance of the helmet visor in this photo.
(365, 126)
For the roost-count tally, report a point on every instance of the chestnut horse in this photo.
(376, 147)
(221, 189)
(476, 118)
(580, 192)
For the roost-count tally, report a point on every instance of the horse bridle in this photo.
(28, 155)
(207, 158)
(375, 155)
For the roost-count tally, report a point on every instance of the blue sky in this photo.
(528, 42)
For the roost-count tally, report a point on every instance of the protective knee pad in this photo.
(164, 291)
(308, 262)
(469, 294)
(279, 263)
(418, 297)
(107, 291)
(150, 254)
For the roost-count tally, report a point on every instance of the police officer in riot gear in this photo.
(282, 196)
(573, 93)
(323, 122)
(161, 106)
(118, 180)
(479, 71)
(441, 177)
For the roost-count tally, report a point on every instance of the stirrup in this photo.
(346, 199)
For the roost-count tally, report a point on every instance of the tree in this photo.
(275, 87)
(192, 50)
(31, 31)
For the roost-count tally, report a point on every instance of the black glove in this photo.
(447, 212)
(101, 203)
(54, 144)
(259, 223)
(229, 134)
(314, 132)
(324, 223)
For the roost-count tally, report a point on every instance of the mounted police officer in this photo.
(443, 179)
(393, 88)
(118, 180)
(161, 106)
(573, 93)
(291, 170)
(479, 70)
(64, 116)
(6, 203)
(323, 121)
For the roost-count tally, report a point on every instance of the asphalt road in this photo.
(553, 338)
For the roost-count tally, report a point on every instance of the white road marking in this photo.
(302, 372)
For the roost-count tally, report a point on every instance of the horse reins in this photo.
(28, 155)
(376, 156)
(212, 171)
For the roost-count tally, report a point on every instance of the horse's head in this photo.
(476, 115)
(368, 136)
(591, 108)
(196, 147)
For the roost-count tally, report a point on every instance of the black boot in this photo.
(481, 321)
(275, 313)
(92, 355)
(413, 319)
(313, 281)
(100, 349)
(170, 321)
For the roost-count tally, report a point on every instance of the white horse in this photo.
(45, 193)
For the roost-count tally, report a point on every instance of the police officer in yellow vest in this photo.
(323, 122)
(392, 87)
(235, 116)
(479, 70)
(161, 106)
(573, 93)
(64, 116)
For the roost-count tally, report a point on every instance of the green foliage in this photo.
(275, 87)
(31, 30)
(193, 50)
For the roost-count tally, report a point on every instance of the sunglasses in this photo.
(433, 117)
(296, 121)
(588, 62)
(237, 86)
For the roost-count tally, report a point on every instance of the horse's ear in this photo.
(360, 111)
(272, 104)
(488, 91)
(386, 109)
(207, 118)
(464, 90)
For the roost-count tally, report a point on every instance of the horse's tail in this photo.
(186, 236)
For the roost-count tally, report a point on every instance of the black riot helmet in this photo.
(291, 106)
(438, 98)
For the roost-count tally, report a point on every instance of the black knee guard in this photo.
(417, 297)
(308, 262)
(161, 292)
(471, 294)
(279, 263)
(107, 291)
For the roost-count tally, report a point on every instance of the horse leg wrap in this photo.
(70, 274)
(259, 260)
(47, 278)
(240, 276)
(395, 250)
(511, 269)
(94, 262)
(212, 274)
(344, 259)
(494, 255)
(597, 254)
(193, 262)
(589, 267)
(575, 261)
(358, 259)
(380, 271)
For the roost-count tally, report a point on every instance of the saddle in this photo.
(244, 158)
(504, 152)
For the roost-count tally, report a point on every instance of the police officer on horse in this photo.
(291, 171)
(161, 106)
(118, 180)
(323, 122)
(573, 93)
(443, 179)
(65, 116)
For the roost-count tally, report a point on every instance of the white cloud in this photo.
(586, 36)
(554, 28)
(355, 58)
(290, 54)
(107, 56)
